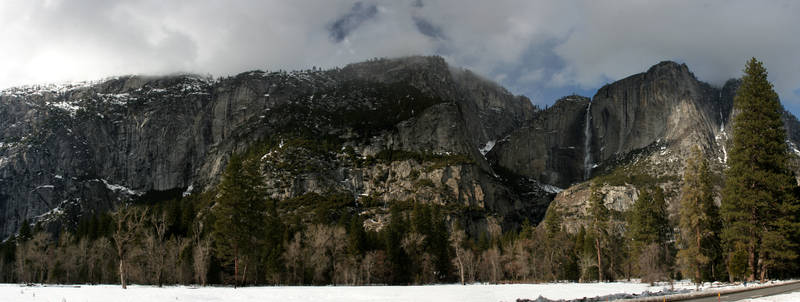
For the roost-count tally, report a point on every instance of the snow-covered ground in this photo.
(14, 292)
(438, 293)
(793, 297)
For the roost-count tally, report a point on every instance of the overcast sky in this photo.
(542, 49)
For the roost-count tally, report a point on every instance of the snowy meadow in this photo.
(475, 292)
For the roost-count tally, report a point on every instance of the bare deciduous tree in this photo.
(368, 265)
(36, 257)
(23, 275)
(651, 264)
(327, 244)
(412, 244)
(32, 258)
(457, 238)
(293, 259)
(180, 272)
(470, 265)
(491, 266)
(516, 260)
(202, 255)
(154, 246)
(99, 269)
(69, 256)
(128, 222)
(586, 262)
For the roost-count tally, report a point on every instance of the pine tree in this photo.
(648, 218)
(25, 232)
(240, 214)
(356, 237)
(438, 245)
(552, 221)
(649, 231)
(394, 234)
(758, 207)
(598, 225)
(699, 218)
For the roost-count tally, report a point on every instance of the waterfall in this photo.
(587, 143)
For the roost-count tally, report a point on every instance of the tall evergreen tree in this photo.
(648, 218)
(598, 225)
(650, 231)
(25, 232)
(398, 259)
(758, 207)
(356, 236)
(552, 220)
(699, 219)
(438, 245)
(240, 214)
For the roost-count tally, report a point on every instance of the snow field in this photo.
(437, 293)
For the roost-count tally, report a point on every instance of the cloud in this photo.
(714, 38)
(544, 49)
(426, 28)
(360, 13)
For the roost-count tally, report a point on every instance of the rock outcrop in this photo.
(550, 147)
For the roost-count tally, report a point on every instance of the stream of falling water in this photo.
(587, 143)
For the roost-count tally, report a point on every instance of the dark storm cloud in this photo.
(426, 28)
(543, 49)
(342, 27)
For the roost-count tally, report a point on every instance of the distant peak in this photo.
(573, 98)
(430, 68)
(666, 66)
(410, 61)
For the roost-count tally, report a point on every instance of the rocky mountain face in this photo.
(409, 129)
(69, 150)
(549, 148)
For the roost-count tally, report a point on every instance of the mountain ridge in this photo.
(411, 128)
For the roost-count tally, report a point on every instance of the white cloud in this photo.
(531, 46)
(714, 38)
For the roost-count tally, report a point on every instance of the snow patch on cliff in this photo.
(551, 189)
(66, 106)
(487, 147)
(120, 188)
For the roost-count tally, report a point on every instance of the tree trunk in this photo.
(244, 273)
(461, 270)
(713, 271)
(599, 260)
(730, 275)
(697, 268)
(235, 270)
(459, 257)
(122, 273)
(751, 262)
